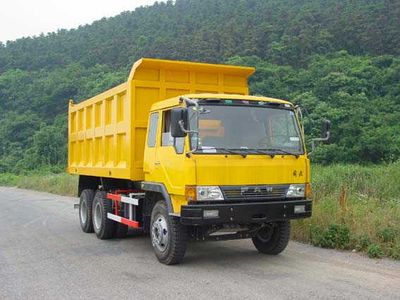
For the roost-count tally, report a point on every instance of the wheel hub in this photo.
(159, 233)
(97, 216)
(84, 212)
(265, 233)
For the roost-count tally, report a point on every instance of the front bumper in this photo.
(246, 213)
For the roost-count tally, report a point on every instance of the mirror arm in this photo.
(189, 101)
(188, 154)
(299, 112)
(299, 117)
(184, 129)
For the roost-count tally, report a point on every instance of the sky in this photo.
(22, 18)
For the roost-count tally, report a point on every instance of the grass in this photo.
(61, 184)
(354, 207)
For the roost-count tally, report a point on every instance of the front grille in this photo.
(254, 192)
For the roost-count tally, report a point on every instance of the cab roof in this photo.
(175, 100)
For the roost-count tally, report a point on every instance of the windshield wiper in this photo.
(271, 151)
(281, 151)
(261, 151)
(232, 151)
(244, 151)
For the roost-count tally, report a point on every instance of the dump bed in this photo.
(106, 133)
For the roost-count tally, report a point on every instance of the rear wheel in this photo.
(168, 235)
(273, 238)
(103, 227)
(85, 210)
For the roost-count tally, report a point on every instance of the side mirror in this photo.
(179, 122)
(326, 134)
(326, 128)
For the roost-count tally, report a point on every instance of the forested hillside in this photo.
(337, 59)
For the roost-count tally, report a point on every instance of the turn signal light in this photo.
(191, 193)
(308, 192)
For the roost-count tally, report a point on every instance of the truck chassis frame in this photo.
(130, 199)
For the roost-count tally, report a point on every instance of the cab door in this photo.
(170, 158)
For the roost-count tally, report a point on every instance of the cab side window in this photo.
(166, 137)
(151, 139)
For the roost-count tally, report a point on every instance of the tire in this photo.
(103, 227)
(85, 210)
(272, 239)
(168, 235)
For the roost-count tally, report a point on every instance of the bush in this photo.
(335, 236)
(374, 251)
(394, 252)
(387, 235)
(8, 179)
(362, 242)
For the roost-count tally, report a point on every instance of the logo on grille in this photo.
(256, 190)
(269, 189)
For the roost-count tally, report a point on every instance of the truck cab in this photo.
(230, 166)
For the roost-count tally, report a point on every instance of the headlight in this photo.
(296, 191)
(203, 193)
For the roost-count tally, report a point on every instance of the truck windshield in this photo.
(245, 128)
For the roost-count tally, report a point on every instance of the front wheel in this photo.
(168, 236)
(273, 238)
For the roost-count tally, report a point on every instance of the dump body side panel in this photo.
(99, 135)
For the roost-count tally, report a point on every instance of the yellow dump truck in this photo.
(182, 152)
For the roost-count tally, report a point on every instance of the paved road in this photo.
(44, 255)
